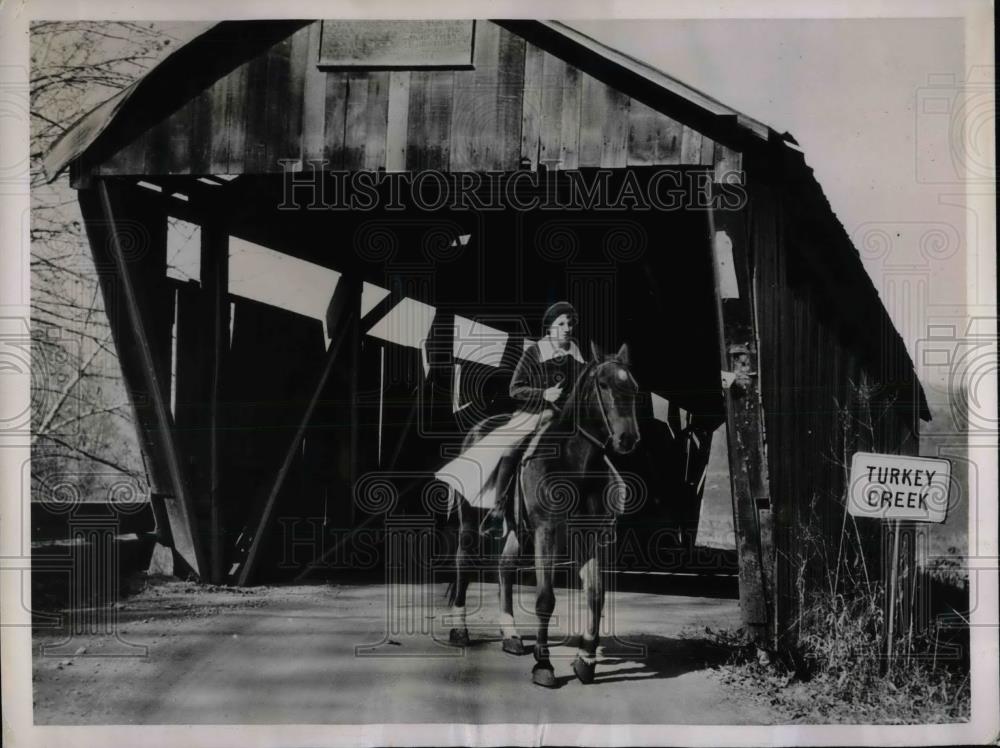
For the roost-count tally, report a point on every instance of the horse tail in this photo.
(451, 593)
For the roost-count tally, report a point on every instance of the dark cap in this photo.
(555, 311)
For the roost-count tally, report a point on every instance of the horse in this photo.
(599, 413)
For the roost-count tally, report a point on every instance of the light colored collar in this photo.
(547, 349)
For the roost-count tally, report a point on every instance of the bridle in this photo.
(600, 444)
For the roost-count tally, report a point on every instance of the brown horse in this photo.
(567, 469)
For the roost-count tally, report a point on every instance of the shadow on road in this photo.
(658, 657)
(642, 657)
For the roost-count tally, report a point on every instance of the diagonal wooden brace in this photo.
(344, 308)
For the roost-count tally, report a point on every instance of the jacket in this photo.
(541, 366)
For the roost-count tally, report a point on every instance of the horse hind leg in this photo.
(585, 662)
(467, 539)
(543, 673)
(512, 643)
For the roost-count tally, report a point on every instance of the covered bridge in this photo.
(294, 322)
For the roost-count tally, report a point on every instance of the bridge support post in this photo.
(738, 356)
(215, 345)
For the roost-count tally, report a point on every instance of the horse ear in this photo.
(622, 354)
(595, 351)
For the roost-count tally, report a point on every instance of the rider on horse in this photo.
(543, 379)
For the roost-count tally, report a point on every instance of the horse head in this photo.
(614, 394)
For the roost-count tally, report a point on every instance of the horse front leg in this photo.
(512, 643)
(593, 587)
(545, 602)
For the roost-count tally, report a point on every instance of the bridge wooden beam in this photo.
(738, 355)
(130, 273)
(215, 315)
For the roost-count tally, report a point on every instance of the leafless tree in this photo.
(81, 419)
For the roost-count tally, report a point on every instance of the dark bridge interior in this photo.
(641, 277)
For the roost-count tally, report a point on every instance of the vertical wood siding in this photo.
(810, 370)
(519, 106)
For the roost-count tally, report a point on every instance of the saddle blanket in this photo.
(471, 474)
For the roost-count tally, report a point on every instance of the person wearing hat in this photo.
(542, 381)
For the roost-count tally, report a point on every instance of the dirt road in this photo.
(324, 654)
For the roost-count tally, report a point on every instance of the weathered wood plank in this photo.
(643, 135)
(256, 115)
(669, 133)
(228, 138)
(707, 157)
(441, 87)
(416, 121)
(510, 92)
(474, 113)
(531, 111)
(428, 142)
(550, 125)
(157, 156)
(376, 120)
(396, 125)
(333, 127)
(593, 113)
(690, 146)
(614, 150)
(313, 100)
(218, 144)
(569, 135)
(278, 105)
(298, 62)
(365, 120)
(355, 120)
(236, 118)
(202, 125)
(395, 43)
(179, 126)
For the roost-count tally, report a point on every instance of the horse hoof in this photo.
(584, 670)
(459, 637)
(514, 645)
(543, 675)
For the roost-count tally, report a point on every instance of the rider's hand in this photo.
(552, 394)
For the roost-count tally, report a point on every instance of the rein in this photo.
(591, 371)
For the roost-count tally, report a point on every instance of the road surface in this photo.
(330, 654)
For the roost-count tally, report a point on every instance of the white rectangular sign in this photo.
(899, 487)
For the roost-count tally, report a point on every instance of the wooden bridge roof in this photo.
(244, 95)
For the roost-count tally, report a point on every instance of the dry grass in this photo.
(836, 666)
